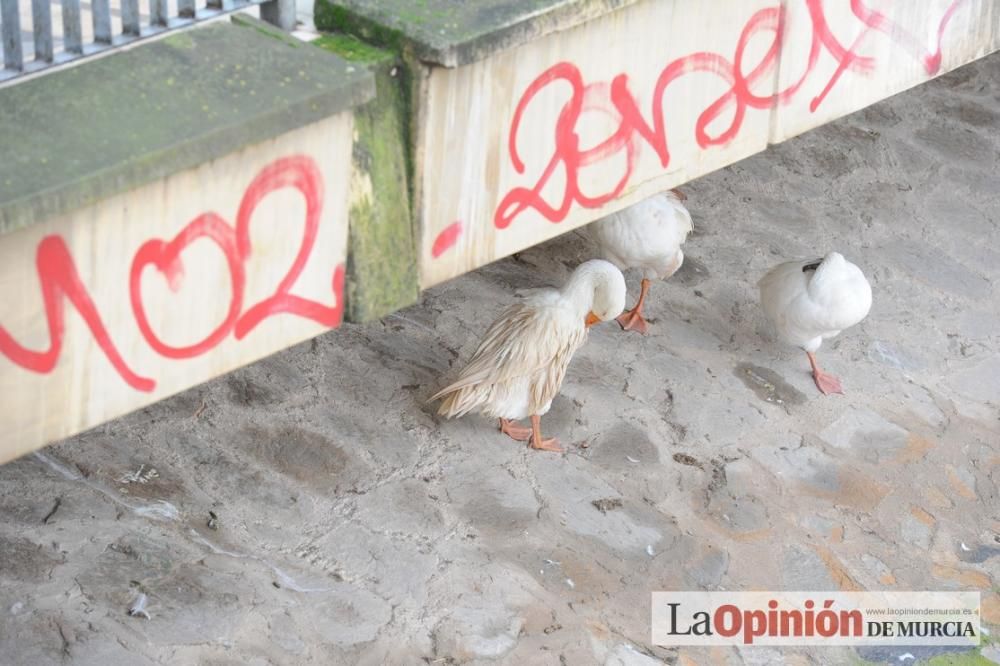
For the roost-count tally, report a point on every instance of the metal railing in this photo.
(87, 27)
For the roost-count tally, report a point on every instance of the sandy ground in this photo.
(310, 509)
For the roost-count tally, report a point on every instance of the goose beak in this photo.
(591, 319)
(680, 195)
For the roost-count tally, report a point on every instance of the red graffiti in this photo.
(59, 279)
(880, 22)
(446, 239)
(58, 276)
(301, 174)
(166, 258)
(633, 129)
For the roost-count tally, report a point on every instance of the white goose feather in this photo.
(811, 301)
(647, 236)
(519, 366)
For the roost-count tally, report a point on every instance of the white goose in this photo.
(648, 236)
(520, 364)
(810, 301)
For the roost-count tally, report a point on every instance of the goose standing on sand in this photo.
(648, 236)
(810, 301)
(520, 364)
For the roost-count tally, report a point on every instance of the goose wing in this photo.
(646, 235)
(527, 342)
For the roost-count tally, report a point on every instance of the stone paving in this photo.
(311, 509)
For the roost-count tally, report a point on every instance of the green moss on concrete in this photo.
(351, 48)
(180, 40)
(382, 252)
(331, 17)
(267, 29)
(70, 138)
(451, 33)
(407, 85)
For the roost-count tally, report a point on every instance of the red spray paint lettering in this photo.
(446, 240)
(166, 257)
(299, 173)
(60, 280)
(740, 77)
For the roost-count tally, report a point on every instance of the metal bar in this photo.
(101, 10)
(158, 12)
(41, 23)
(72, 30)
(280, 13)
(13, 57)
(130, 18)
(46, 41)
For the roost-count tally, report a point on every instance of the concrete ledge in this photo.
(107, 126)
(172, 213)
(451, 33)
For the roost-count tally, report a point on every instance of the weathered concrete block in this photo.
(532, 118)
(151, 243)
(382, 258)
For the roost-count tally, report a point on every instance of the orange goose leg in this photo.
(537, 441)
(632, 320)
(826, 383)
(514, 430)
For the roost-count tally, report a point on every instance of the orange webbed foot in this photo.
(826, 383)
(538, 442)
(633, 321)
(516, 432)
(551, 444)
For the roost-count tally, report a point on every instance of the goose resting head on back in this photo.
(811, 301)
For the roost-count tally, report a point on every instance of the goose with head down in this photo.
(811, 301)
(647, 236)
(520, 364)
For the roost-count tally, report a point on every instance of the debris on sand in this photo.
(138, 607)
(141, 475)
(607, 504)
(685, 459)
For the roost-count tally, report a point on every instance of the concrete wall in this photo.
(535, 140)
(144, 294)
(167, 214)
(134, 293)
